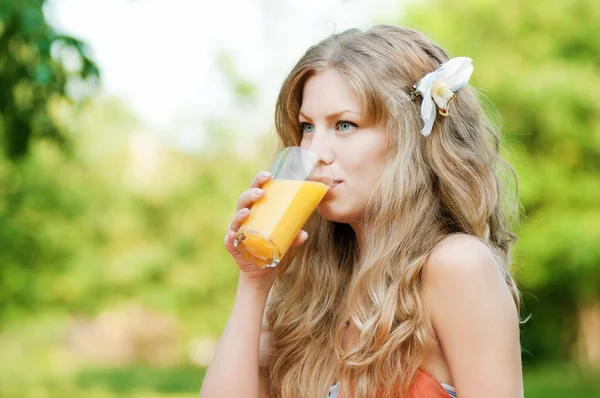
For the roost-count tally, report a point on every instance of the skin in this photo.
(332, 126)
(475, 341)
(476, 346)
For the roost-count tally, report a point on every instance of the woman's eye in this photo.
(346, 126)
(307, 127)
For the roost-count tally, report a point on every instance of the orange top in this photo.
(424, 385)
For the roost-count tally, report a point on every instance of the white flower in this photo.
(439, 88)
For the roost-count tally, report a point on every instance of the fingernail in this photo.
(244, 211)
(258, 191)
(266, 174)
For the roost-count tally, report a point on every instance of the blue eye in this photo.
(307, 127)
(346, 126)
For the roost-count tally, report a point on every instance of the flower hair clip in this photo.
(439, 88)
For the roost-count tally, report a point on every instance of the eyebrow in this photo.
(332, 116)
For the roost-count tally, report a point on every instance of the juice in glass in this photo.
(289, 200)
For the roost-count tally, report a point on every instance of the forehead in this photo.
(328, 92)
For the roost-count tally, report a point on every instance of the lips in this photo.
(336, 183)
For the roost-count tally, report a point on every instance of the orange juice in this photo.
(276, 219)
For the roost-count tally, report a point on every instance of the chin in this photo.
(335, 213)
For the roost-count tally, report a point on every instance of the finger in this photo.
(258, 261)
(260, 179)
(300, 238)
(229, 245)
(247, 198)
(240, 216)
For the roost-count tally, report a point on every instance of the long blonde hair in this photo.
(449, 182)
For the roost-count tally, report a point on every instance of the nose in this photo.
(320, 144)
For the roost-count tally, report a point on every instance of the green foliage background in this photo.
(83, 230)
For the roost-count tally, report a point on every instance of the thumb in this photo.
(300, 238)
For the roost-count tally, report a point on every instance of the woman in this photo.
(400, 286)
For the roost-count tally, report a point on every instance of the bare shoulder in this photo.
(460, 272)
(461, 258)
(474, 317)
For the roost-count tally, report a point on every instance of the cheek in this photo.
(303, 143)
(377, 164)
(366, 159)
(366, 175)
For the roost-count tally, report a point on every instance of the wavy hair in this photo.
(450, 182)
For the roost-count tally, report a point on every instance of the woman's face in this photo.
(332, 127)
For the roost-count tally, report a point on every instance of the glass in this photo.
(301, 179)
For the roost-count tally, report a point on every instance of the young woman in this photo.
(400, 285)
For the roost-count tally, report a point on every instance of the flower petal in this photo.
(450, 67)
(442, 95)
(428, 114)
(456, 72)
(425, 83)
(427, 104)
(460, 78)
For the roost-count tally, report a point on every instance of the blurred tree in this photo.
(124, 219)
(539, 61)
(41, 71)
(38, 67)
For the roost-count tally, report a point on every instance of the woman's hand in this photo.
(248, 264)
